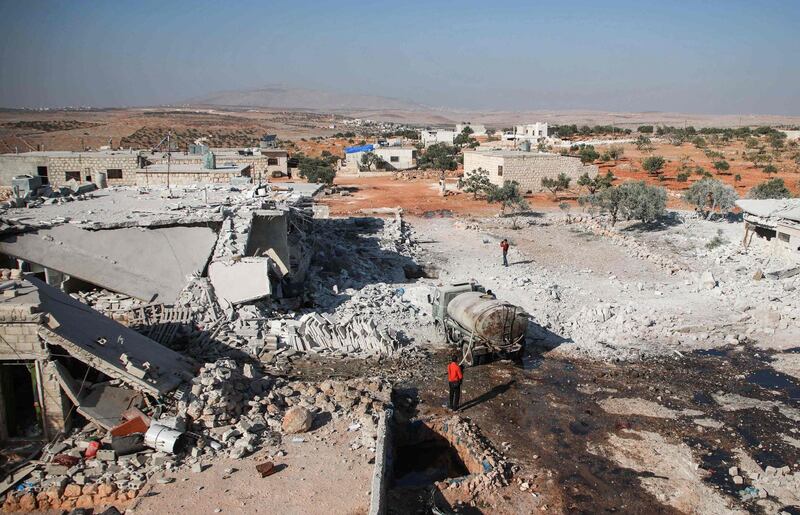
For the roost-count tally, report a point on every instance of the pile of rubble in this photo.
(352, 334)
(229, 410)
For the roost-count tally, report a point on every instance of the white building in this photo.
(531, 132)
(394, 158)
(477, 129)
(433, 136)
(526, 168)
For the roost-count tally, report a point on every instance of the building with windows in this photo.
(56, 167)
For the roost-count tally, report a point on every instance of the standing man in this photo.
(454, 377)
(504, 245)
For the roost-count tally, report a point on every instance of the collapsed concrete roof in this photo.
(149, 264)
(105, 344)
(776, 209)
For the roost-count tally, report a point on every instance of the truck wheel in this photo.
(468, 357)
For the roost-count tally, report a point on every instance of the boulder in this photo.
(297, 420)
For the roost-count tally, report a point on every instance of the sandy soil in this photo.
(322, 471)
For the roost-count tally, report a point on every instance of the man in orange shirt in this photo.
(454, 377)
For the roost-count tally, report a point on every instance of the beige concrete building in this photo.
(267, 162)
(526, 168)
(56, 168)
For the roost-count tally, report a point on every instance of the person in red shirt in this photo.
(504, 245)
(454, 378)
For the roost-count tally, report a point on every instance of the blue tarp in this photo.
(359, 148)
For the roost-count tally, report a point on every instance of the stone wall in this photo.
(258, 164)
(87, 164)
(144, 178)
(527, 169)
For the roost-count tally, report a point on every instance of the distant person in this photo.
(454, 378)
(504, 245)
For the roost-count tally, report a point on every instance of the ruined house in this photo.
(777, 220)
(60, 358)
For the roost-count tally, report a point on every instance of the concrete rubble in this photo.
(248, 303)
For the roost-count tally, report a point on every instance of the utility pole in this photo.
(169, 160)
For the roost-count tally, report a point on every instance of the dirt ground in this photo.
(301, 486)
(646, 422)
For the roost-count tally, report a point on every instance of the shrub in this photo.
(710, 195)
(316, 170)
(682, 177)
(721, 166)
(588, 154)
(440, 156)
(653, 164)
(773, 188)
(770, 169)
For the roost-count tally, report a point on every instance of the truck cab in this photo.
(443, 295)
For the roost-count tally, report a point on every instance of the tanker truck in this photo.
(477, 324)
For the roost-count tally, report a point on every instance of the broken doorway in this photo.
(41, 171)
(20, 393)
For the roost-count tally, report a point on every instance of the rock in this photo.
(708, 281)
(72, 490)
(297, 420)
(733, 471)
(738, 480)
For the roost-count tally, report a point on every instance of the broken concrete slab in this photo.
(109, 346)
(116, 260)
(240, 281)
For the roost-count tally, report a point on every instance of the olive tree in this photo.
(653, 164)
(560, 183)
(710, 196)
(475, 182)
(634, 200)
(773, 188)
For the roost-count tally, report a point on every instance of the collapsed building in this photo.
(777, 220)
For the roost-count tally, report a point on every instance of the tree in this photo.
(615, 152)
(773, 188)
(643, 144)
(633, 200)
(721, 166)
(682, 177)
(770, 168)
(509, 197)
(440, 156)
(370, 159)
(710, 195)
(588, 154)
(316, 170)
(465, 138)
(560, 183)
(645, 129)
(476, 182)
(598, 182)
(653, 164)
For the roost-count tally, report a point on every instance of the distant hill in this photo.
(278, 97)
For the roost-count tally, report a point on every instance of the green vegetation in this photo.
(599, 182)
(633, 200)
(773, 188)
(710, 195)
(440, 156)
(721, 166)
(476, 182)
(316, 170)
(560, 183)
(653, 164)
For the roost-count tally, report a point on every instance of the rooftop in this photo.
(788, 209)
(194, 168)
(512, 153)
(71, 153)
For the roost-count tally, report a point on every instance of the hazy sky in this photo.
(707, 56)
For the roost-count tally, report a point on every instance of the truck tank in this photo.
(488, 318)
